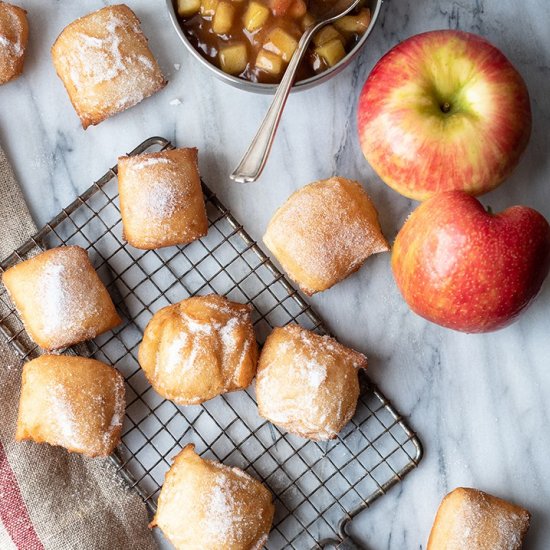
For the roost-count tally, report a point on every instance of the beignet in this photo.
(324, 232)
(469, 519)
(306, 383)
(161, 199)
(205, 505)
(105, 63)
(14, 34)
(199, 348)
(60, 298)
(73, 402)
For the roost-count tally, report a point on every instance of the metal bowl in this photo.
(242, 84)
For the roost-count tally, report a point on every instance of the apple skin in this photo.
(416, 147)
(464, 268)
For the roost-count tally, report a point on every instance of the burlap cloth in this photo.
(50, 499)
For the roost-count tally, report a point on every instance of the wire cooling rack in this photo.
(318, 486)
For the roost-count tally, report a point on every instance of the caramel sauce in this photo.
(198, 29)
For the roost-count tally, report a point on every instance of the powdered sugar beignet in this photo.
(161, 198)
(206, 505)
(73, 402)
(469, 519)
(105, 63)
(306, 383)
(14, 34)
(199, 348)
(60, 298)
(324, 232)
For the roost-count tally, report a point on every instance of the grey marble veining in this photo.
(480, 403)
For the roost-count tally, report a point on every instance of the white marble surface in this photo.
(479, 403)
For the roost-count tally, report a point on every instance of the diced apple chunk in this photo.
(187, 8)
(280, 7)
(233, 58)
(223, 18)
(307, 21)
(297, 9)
(255, 16)
(326, 34)
(269, 62)
(331, 51)
(354, 24)
(208, 7)
(281, 43)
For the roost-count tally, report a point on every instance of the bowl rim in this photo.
(265, 88)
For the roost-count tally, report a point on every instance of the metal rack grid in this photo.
(318, 486)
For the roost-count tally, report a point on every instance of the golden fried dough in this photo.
(205, 505)
(73, 402)
(324, 232)
(105, 63)
(469, 519)
(199, 348)
(161, 198)
(60, 298)
(14, 35)
(306, 383)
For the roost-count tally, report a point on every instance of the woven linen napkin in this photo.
(51, 499)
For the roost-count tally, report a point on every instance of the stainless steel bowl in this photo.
(257, 87)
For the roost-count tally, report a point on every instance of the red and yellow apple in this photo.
(462, 267)
(444, 110)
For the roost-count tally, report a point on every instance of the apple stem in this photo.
(445, 107)
(489, 210)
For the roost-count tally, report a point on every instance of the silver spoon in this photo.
(253, 161)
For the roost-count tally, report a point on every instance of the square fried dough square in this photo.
(206, 505)
(161, 198)
(74, 402)
(60, 298)
(324, 232)
(105, 63)
(474, 520)
(14, 34)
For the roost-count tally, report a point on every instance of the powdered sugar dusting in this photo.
(60, 298)
(302, 382)
(482, 518)
(228, 334)
(94, 60)
(163, 191)
(145, 61)
(149, 161)
(11, 47)
(324, 231)
(104, 57)
(74, 402)
(228, 518)
(69, 302)
(173, 354)
(220, 506)
(63, 414)
(316, 373)
(223, 505)
(115, 423)
(204, 345)
(163, 202)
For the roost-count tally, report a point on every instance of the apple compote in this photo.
(255, 39)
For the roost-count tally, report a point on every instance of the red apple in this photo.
(464, 268)
(444, 110)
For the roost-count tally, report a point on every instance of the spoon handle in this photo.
(253, 161)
